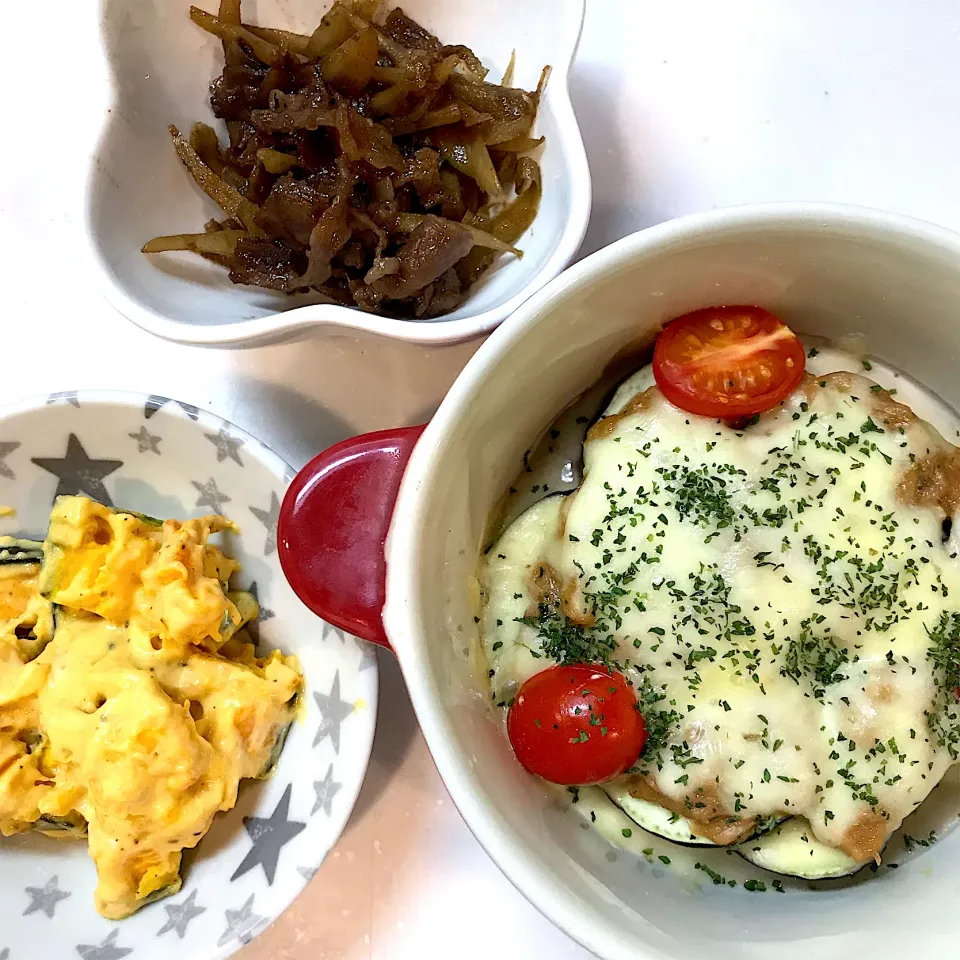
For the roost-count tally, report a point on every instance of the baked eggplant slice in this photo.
(671, 826)
(792, 850)
(655, 819)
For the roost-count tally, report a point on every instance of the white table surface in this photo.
(685, 105)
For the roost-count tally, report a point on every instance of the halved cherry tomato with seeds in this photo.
(576, 725)
(727, 362)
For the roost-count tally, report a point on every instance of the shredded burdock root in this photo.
(368, 162)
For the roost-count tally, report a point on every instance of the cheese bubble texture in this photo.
(784, 597)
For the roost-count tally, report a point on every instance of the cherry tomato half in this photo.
(576, 725)
(727, 362)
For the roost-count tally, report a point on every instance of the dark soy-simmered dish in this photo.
(368, 162)
(744, 624)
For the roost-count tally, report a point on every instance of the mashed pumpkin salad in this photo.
(132, 703)
(744, 624)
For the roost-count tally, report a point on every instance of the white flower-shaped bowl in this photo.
(161, 67)
(167, 459)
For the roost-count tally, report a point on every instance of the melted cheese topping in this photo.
(140, 725)
(777, 596)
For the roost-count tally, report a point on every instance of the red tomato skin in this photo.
(676, 369)
(573, 744)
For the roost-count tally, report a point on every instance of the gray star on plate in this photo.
(368, 655)
(155, 402)
(179, 915)
(64, 396)
(253, 628)
(308, 873)
(79, 474)
(210, 496)
(333, 711)
(265, 612)
(45, 898)
(269, 836)
(329, 630)
(146, 441)
(325, 789)
(226, 445)
(242, 924)
(269, 519)
(107, 949)
(7, 447)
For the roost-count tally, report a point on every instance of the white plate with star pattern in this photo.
(170, 459)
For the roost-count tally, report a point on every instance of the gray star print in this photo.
(155, 402)
(67, 396)
(328, 630)
(242, 924)
(253, 628)
(308, 873)
(210, 496)
(7, 447)
(146, 441)
(333, 711)
(269, 519)
(105, 950)
(79, 474)
(269, 836)
(265, 612)
(226, 445)
(325, 789)
(4, 953)
(368, 655)
(45, 898)
(180, 915)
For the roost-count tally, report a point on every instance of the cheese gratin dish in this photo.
(131, 702)
(782, 596)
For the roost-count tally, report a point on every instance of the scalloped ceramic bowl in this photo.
(161, 67)
(169, 459)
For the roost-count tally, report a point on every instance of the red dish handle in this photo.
(333, 525)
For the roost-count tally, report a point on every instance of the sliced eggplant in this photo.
(671, 826)
(793, 851)
(655, 819)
